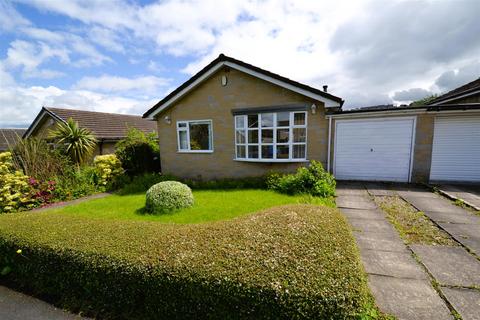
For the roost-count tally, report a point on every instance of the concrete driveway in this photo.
(468, 193)
(402, 285)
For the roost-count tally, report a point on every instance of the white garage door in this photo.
(456, 149)
(375, 149)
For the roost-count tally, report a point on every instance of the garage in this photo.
(378, 149)
(456, 149)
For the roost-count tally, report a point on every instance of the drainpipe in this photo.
(329, 142)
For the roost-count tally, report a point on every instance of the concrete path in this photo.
(469, 194)
(461, 224)
(18, 306)
(400, 285)
(68, 203)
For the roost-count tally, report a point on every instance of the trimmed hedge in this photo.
(168, 196)
(289, 262)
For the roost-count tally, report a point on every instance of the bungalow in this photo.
(108, 128)
(233, 119)
(9, 137)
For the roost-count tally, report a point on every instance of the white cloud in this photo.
(107, 38)
(10, 19)
(107, 83)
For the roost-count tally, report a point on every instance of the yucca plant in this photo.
(78, 143)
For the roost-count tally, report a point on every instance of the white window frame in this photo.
(274, 143)
(187, 130)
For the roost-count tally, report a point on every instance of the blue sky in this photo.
(124, 55)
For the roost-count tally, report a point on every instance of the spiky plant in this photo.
(78, 143)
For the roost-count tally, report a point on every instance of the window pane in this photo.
(282, 152)
(199, 136)
(299, 151)
(183, 140)
(240, 136)
(267, 119)
(299, 135)
(240, 151)
(240, 122)
(252, 136)
(267, 135)
(283, 119)
(253, 152)
(282, 135)
(267, 152)
(182, 125)
(299, 119)
(253, 121)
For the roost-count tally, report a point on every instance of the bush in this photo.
(313, 180)
(15, 192)
(76, 183)
(168, 196)
(35, 158)
(290, 262)
(139, 152)
(108, 168)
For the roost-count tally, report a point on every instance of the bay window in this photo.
(195, 136)
(271, 137)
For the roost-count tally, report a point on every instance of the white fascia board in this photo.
(328, 102)
(376, 114)
(455, 98)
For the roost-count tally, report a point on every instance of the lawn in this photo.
(210, 205)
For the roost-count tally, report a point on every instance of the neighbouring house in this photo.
(9, 137)
(436, 142)
(108, 128)
(233, 119)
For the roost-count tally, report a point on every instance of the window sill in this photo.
(195, 151)
(272, 160)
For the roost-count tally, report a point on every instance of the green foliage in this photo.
(37, 159)
(139, 152)
(76, 183)
(78, 143)
(313, 180)
(423, 101)
(168, 196)
(108, 169)
(290, 262)
(14, 187)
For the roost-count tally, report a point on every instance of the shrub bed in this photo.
(289, 262)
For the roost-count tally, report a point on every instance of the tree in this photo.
(424, 101)
(139, 152)
(78, 143)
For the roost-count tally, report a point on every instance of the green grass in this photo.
(210, 205)
(412, 225)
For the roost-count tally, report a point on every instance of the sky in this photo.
(125, 55)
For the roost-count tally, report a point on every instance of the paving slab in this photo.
(466, 234)
(380, 241)
(18, 306)
(408, 298)
(451, 266)
(355, 202)
(393, 264)
(465, 301)
(363, 214)
(470, 194)
(379, 189)
(416, 191)
(453, 217)
(438, 204)
(370, 225)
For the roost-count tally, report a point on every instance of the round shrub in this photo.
(168, 196)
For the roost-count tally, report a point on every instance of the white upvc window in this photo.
(271, 137)
(195, 136)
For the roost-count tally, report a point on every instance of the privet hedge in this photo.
(289, 262)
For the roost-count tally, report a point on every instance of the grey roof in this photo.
(9, 137)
